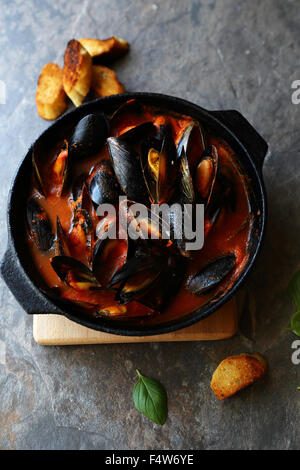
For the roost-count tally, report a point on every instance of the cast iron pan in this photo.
(17, 267)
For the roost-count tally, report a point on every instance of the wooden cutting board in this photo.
(55, 330)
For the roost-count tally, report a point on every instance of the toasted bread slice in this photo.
(105, 81)
(105, 50)
(50, 95)
(77, 72)
(236, 373)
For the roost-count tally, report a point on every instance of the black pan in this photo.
(17, 267)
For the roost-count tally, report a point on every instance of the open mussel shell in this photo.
(126, 162)
(103, 185)
(89, 136)
(159, 164)
(135, 263)
(74, 273)
(211, 275)
(128, 114)
(137, 133)
(193, 143)
(136, 285)
(109, 255)
(206, 173)
(39, 225)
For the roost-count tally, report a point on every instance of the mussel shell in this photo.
(137, 285)
(104, 187)
(130, 113)
(39, 225)
(193, 143)
(211, 275)
(89, 136)
(133, 265)
(142, 131)
(159, 164)
(127, 167)
(74, 273)
(36, 151)
(206, 173)
(109, 255)
(185, 191)
(62, 241)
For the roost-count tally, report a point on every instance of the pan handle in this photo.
(32, 301)
(256, 146)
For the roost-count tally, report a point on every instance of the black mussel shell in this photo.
(139, 262)
(193, 143)
(185, 193)
(104, 187)
(159, 164)
(109, 255)
(63, 247)
(211, 275)
(36, 151)
(39, 225)
(74, 273)
(206, 173)
(137, 285)
(127, 114)
(126, 163)
(142, 131)
(89, 136)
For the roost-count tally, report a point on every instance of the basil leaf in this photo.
(294, 289)
(295, 323)
(150, 399)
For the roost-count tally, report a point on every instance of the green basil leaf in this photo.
(150, 399)
(294, 289)
(295, 323)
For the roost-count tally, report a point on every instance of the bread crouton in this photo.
(105, 50)
(77, 72)
(236, 373)
(105, 81)
(50, 95)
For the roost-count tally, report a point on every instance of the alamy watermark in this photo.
(296, 354)
(296, 94)
(160, 221)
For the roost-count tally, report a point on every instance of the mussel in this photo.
(39, 225)
(109, 255)
(83, 227)
(193, 143)
(63, 247)
(129, 114)
(127, 167)
(60, 171)
(211, 275)
(103, 185)
(159, 164)
(74, 273)
(206, 173)
(89, 136)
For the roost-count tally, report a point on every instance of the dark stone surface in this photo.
(220, 54)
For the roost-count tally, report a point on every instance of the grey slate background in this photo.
(220, 54)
